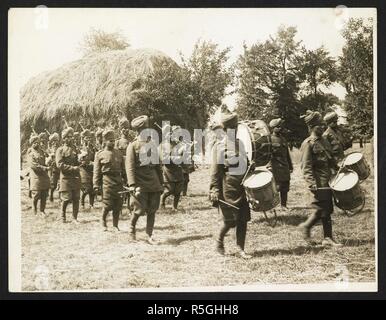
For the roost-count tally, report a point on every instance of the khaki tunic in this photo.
(38, 173)
(280, 164)
(336, 141)
(228, 186)
(172, 172)
(108, 168)
(147, 176)
(66, 161)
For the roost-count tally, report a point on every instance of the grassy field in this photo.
(83, 257)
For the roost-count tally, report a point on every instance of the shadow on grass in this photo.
(177, 241)
(290, 251)
(290, 219)
(356, 242)
(168, 227)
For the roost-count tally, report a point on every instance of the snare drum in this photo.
(255, 136)
(356, 161)
(347, 192)
(261, 192)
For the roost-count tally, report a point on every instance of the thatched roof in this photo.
(94, 86)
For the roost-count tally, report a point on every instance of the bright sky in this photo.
(43, 40)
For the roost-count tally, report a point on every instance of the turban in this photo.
(140, 122)
(85, 133)
(276, 122)
(54, 137)
(108, 135)
(43, 136)
(33, 139)
(330, 117)
(67, 131)
(124, 123)
(312, 118)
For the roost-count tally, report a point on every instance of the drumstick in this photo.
(228, 204)
(246, 173)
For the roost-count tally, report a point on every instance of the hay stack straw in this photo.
(93, 87)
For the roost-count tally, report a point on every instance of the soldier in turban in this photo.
(229, 165)
(144, 179)
(108, 168)
(39, 180)
(317, 165)
(68, 164)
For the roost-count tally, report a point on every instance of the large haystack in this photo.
(92, 89)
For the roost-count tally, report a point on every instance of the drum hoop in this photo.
(332, 180)
(362, 159)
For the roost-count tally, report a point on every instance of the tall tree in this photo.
(268, 74)
(97, 40)
(209, 71)
(356, 74)
(318, 71)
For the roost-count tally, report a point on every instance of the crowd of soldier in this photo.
(100, 165)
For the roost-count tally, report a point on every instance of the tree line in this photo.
(278, 77)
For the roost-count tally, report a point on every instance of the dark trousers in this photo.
(90, 194)
(41, 196)
(323, 205)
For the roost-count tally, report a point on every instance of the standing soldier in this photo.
(108, 168)
(317, 164)
(173, 177)
(280, 164)
(121, 145)
(99, 139)
(53, 144)
(187, 168)
(32, 137)
(86, 159)
(229, 165)
(43, 137)
(143, 178)
(40, 182)
(68, 164)
(338, 138)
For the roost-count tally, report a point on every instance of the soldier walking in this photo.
(317, 164)
(40, 182)
(229, 165)
(280, 163)
(68, 164)
(108, 168)
(144, 179)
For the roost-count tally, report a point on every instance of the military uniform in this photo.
(53, 171)
(339, 139)
(317, 164)
(108, 168)
(229, 164)
(39, 180)
(145, 176)
(280, 163)
(173, 175)
(68, 164)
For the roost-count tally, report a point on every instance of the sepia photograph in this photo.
(192, 149)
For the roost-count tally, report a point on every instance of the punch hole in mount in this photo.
(41, 17)
(341, 16)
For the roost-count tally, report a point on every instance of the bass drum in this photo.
(255, 136)
(347, 192)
